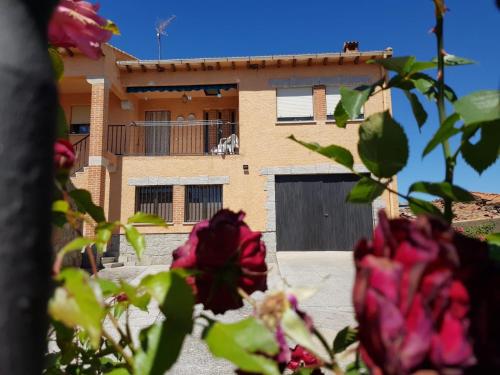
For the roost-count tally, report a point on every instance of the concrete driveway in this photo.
(330, 273)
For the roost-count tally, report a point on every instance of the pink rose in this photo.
(410, 298)
(75, 23)
(225, 255)
(64, 154)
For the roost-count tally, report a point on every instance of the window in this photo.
(202, 202)
(295, 104)
(155, 200)
(80, 119)
(332, 99)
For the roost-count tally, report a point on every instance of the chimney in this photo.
(351, 46)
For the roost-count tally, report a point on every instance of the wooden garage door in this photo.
(312, 214)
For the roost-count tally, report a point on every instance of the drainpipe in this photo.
(28, 102)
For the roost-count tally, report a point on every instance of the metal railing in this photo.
(174, 138)
(81, 154)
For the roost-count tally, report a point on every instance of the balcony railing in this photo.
(174, 138)
(81, 154)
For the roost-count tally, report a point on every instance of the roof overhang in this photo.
(208, 89)
(251, 62)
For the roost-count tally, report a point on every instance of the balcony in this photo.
(174, 138)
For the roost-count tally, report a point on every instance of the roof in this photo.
(252, 62)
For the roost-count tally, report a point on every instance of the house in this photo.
(184, 138)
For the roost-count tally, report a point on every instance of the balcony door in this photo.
(157, 133)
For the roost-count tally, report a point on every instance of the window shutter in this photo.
(295, 103)
(80, 115)
(332, 99)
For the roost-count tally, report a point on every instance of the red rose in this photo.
(75, 23)
(64, 154)
(225, 255)
(301, 358)
(410, 299)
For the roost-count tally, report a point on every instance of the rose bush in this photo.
(64, 154)
(410, 297)
(224, 255)
(75, 23)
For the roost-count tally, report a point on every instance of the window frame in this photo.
(204, 211)
(155, 195)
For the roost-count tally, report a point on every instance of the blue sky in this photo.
(241, 28)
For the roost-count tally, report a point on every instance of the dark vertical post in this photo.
(27, 121)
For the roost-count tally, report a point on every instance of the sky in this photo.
(258, 27)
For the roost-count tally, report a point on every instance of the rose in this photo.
(64, 154)
(225, 255)
(301, 358)
(410, 297)
(75, 23)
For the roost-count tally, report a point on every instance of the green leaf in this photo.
(60, 206)
(340, 115)
(383, 145)
(104, 231)
(445, 132)
(143, 218)
(157, 285)
(108, 287)
(428, 86)
(417, 108)
(135, 239)
(118, 371)
(356, 368)
(485, 152)
(240, 342)
(419, 66)
(494, 239)
(443, 190)
(365, 191)
(479, 107)
(452, 60)
(57, 63)
(354, 100)
(83, 201)
(78, 243)
(76, 305)
(401, 65)
(337, 153)
(161, 343)
(345, 338)
(294, 327)
(136, 296)
(419, 207)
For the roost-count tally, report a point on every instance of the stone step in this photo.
(106, 260)
(113, 265)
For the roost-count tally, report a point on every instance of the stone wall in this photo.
(159, 248)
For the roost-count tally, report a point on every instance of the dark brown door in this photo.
(312, 213)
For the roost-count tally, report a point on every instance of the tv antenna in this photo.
(161, 27)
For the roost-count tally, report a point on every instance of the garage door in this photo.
(312, 214)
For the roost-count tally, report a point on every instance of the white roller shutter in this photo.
(80, 115)
(295, 104)
(332, 99)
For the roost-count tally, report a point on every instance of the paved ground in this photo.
(330, 273)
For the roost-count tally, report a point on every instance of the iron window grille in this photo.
(155, 200)
(202, 202)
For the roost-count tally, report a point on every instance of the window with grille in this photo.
(295, 104)
(332, 99)
(202, 202)
(155, 200)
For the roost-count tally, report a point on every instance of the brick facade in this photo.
(319, 100)
(178, 203)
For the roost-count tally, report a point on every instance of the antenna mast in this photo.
(161, 27)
